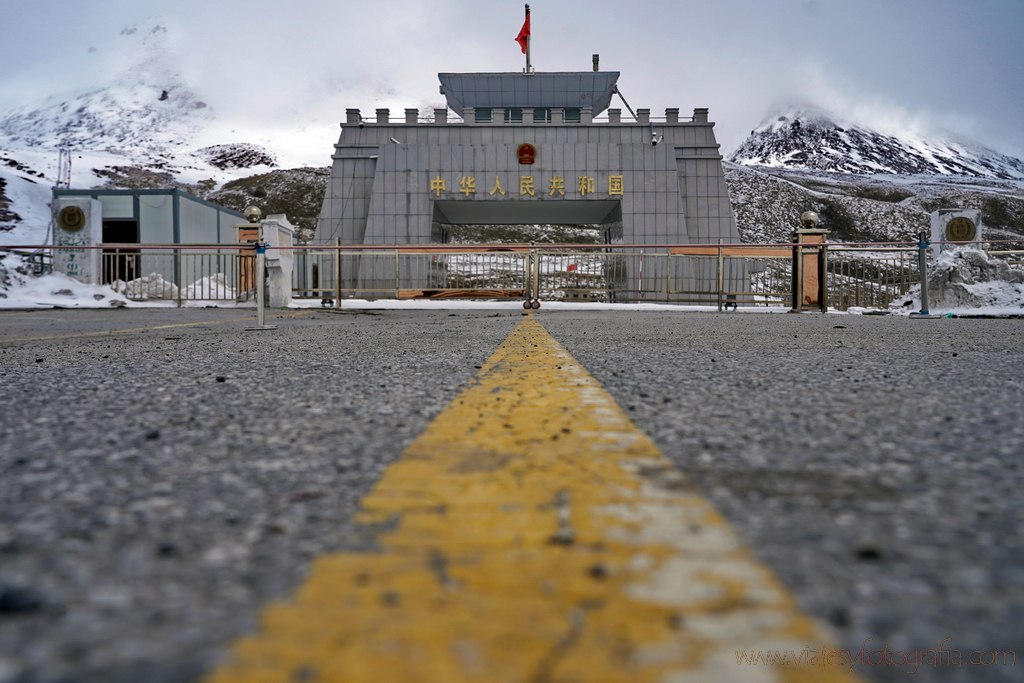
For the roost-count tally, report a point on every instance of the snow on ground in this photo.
(969, 282)
(20, 289)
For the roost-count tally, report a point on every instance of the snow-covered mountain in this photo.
(810, 138)
(144, 112)
(866, 183)
(139, 124)
(139, 108)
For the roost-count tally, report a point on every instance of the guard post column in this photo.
(810, 256)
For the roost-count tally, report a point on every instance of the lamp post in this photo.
(253, 213)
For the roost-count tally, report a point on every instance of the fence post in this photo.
(337, 276)
(922, 268)
(398, 279)
(532, 284)
(721, 275)
(178, 274)
(823, 275)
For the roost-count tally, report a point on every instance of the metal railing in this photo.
(725, 276)
(37, 259)
(869, 277)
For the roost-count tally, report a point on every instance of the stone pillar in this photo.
(672, 115)
(78, 223)
(353, 116)
(700, 115)
(557, 116)
(809, 269)
(278, 232)
(587, 115)
(412, 116)
(643, 115)
(441, 115)
(615, 116)
(383, 115)
(528, 115)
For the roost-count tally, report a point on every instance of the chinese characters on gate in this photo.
(557, 186)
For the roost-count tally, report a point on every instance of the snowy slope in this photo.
(139, 124)
(144, 112)
(810, 138)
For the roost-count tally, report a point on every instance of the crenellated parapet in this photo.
(511, 116)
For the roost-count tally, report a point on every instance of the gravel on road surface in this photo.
(165, 474)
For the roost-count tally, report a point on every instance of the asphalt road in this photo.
(875, 463)
(164, 473)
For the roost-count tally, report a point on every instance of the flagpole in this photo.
(528, 41)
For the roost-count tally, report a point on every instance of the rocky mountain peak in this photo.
(815, 139)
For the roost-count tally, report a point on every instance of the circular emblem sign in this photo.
(527, 153)
(71, 218)
(960, 229)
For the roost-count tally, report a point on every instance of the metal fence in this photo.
(725, 276)
(721, 275)
(177, 274)
(869, 277)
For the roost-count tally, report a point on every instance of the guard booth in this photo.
(153, 217)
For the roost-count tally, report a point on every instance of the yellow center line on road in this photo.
(533, 533)
(133, 330)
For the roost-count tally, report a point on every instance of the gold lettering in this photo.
(616, 185)
(467, 185)
(556, 186)
(438, 185)
(587, 185)
(497, 189)
(526, 186)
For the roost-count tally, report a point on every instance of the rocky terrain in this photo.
(865, 208)
(296, 192)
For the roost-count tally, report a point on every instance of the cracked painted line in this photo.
(535, 535)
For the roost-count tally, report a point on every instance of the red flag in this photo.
(524, 32)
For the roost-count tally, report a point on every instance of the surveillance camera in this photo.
(360, 123)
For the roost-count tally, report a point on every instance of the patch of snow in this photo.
(30, 200)
(19, 289)
(51, 291)
(211, 287)
(969, 282)
(152, 286)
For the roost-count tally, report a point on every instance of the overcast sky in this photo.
(952, 63)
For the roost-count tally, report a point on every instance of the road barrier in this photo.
(726, 276)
